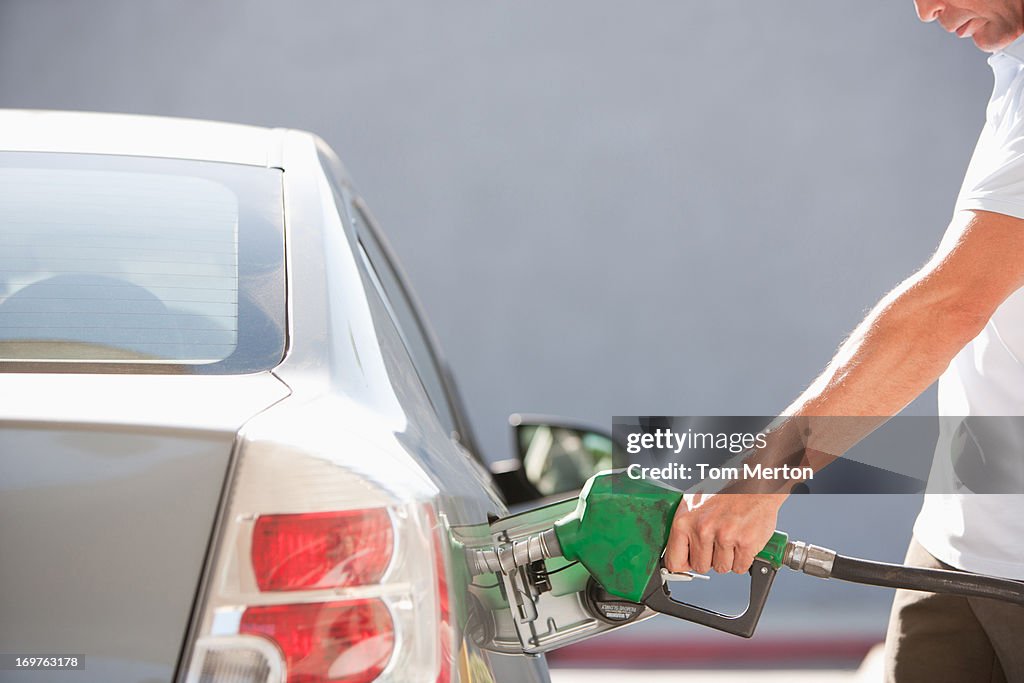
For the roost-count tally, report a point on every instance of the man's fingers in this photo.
(723, 558)
(677, 552)
(742, 559)
(701, 552)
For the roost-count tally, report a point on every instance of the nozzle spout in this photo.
(505, 558)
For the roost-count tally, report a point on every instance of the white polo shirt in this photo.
(974, 531)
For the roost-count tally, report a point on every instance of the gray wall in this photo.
(606, 208)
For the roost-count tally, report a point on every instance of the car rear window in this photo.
(120, 264)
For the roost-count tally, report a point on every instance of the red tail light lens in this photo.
(321, 550)
(332, 642)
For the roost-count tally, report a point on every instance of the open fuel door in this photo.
(545, 604)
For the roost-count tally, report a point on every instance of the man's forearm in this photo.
(903, 345)
(900, 348)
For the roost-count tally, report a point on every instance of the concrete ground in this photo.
(694, 676)
(870, 671)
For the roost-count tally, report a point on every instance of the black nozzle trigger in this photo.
(762, 574)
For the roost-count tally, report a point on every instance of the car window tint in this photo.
(413, 335)
(113, 264)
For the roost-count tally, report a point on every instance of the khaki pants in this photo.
(937, 638)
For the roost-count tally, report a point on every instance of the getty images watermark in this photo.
(735, 443)
(910, 454)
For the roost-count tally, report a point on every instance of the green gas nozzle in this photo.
(620, 527)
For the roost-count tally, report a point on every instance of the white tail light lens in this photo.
(237, 660)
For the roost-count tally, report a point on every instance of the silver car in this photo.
(228, 448)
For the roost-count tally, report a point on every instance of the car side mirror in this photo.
(553, 456)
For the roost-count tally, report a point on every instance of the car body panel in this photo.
(109, 487)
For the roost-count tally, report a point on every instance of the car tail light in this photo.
(446, 633)
(323, 574)
(333, 642)
(321, 550)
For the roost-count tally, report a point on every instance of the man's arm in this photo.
(901, 347)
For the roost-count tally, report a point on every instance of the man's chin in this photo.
(987, 43)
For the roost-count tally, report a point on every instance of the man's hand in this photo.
(722, 532)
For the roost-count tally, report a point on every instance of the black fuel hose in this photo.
(856, 570)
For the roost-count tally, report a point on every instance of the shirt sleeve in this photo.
(995, 177)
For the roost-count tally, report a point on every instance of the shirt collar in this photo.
(1015, 49)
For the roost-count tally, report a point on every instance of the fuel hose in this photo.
(825, 563)
(932, 580)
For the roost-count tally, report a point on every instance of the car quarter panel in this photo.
(109, 487)
(356, 388)
(343, 342)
